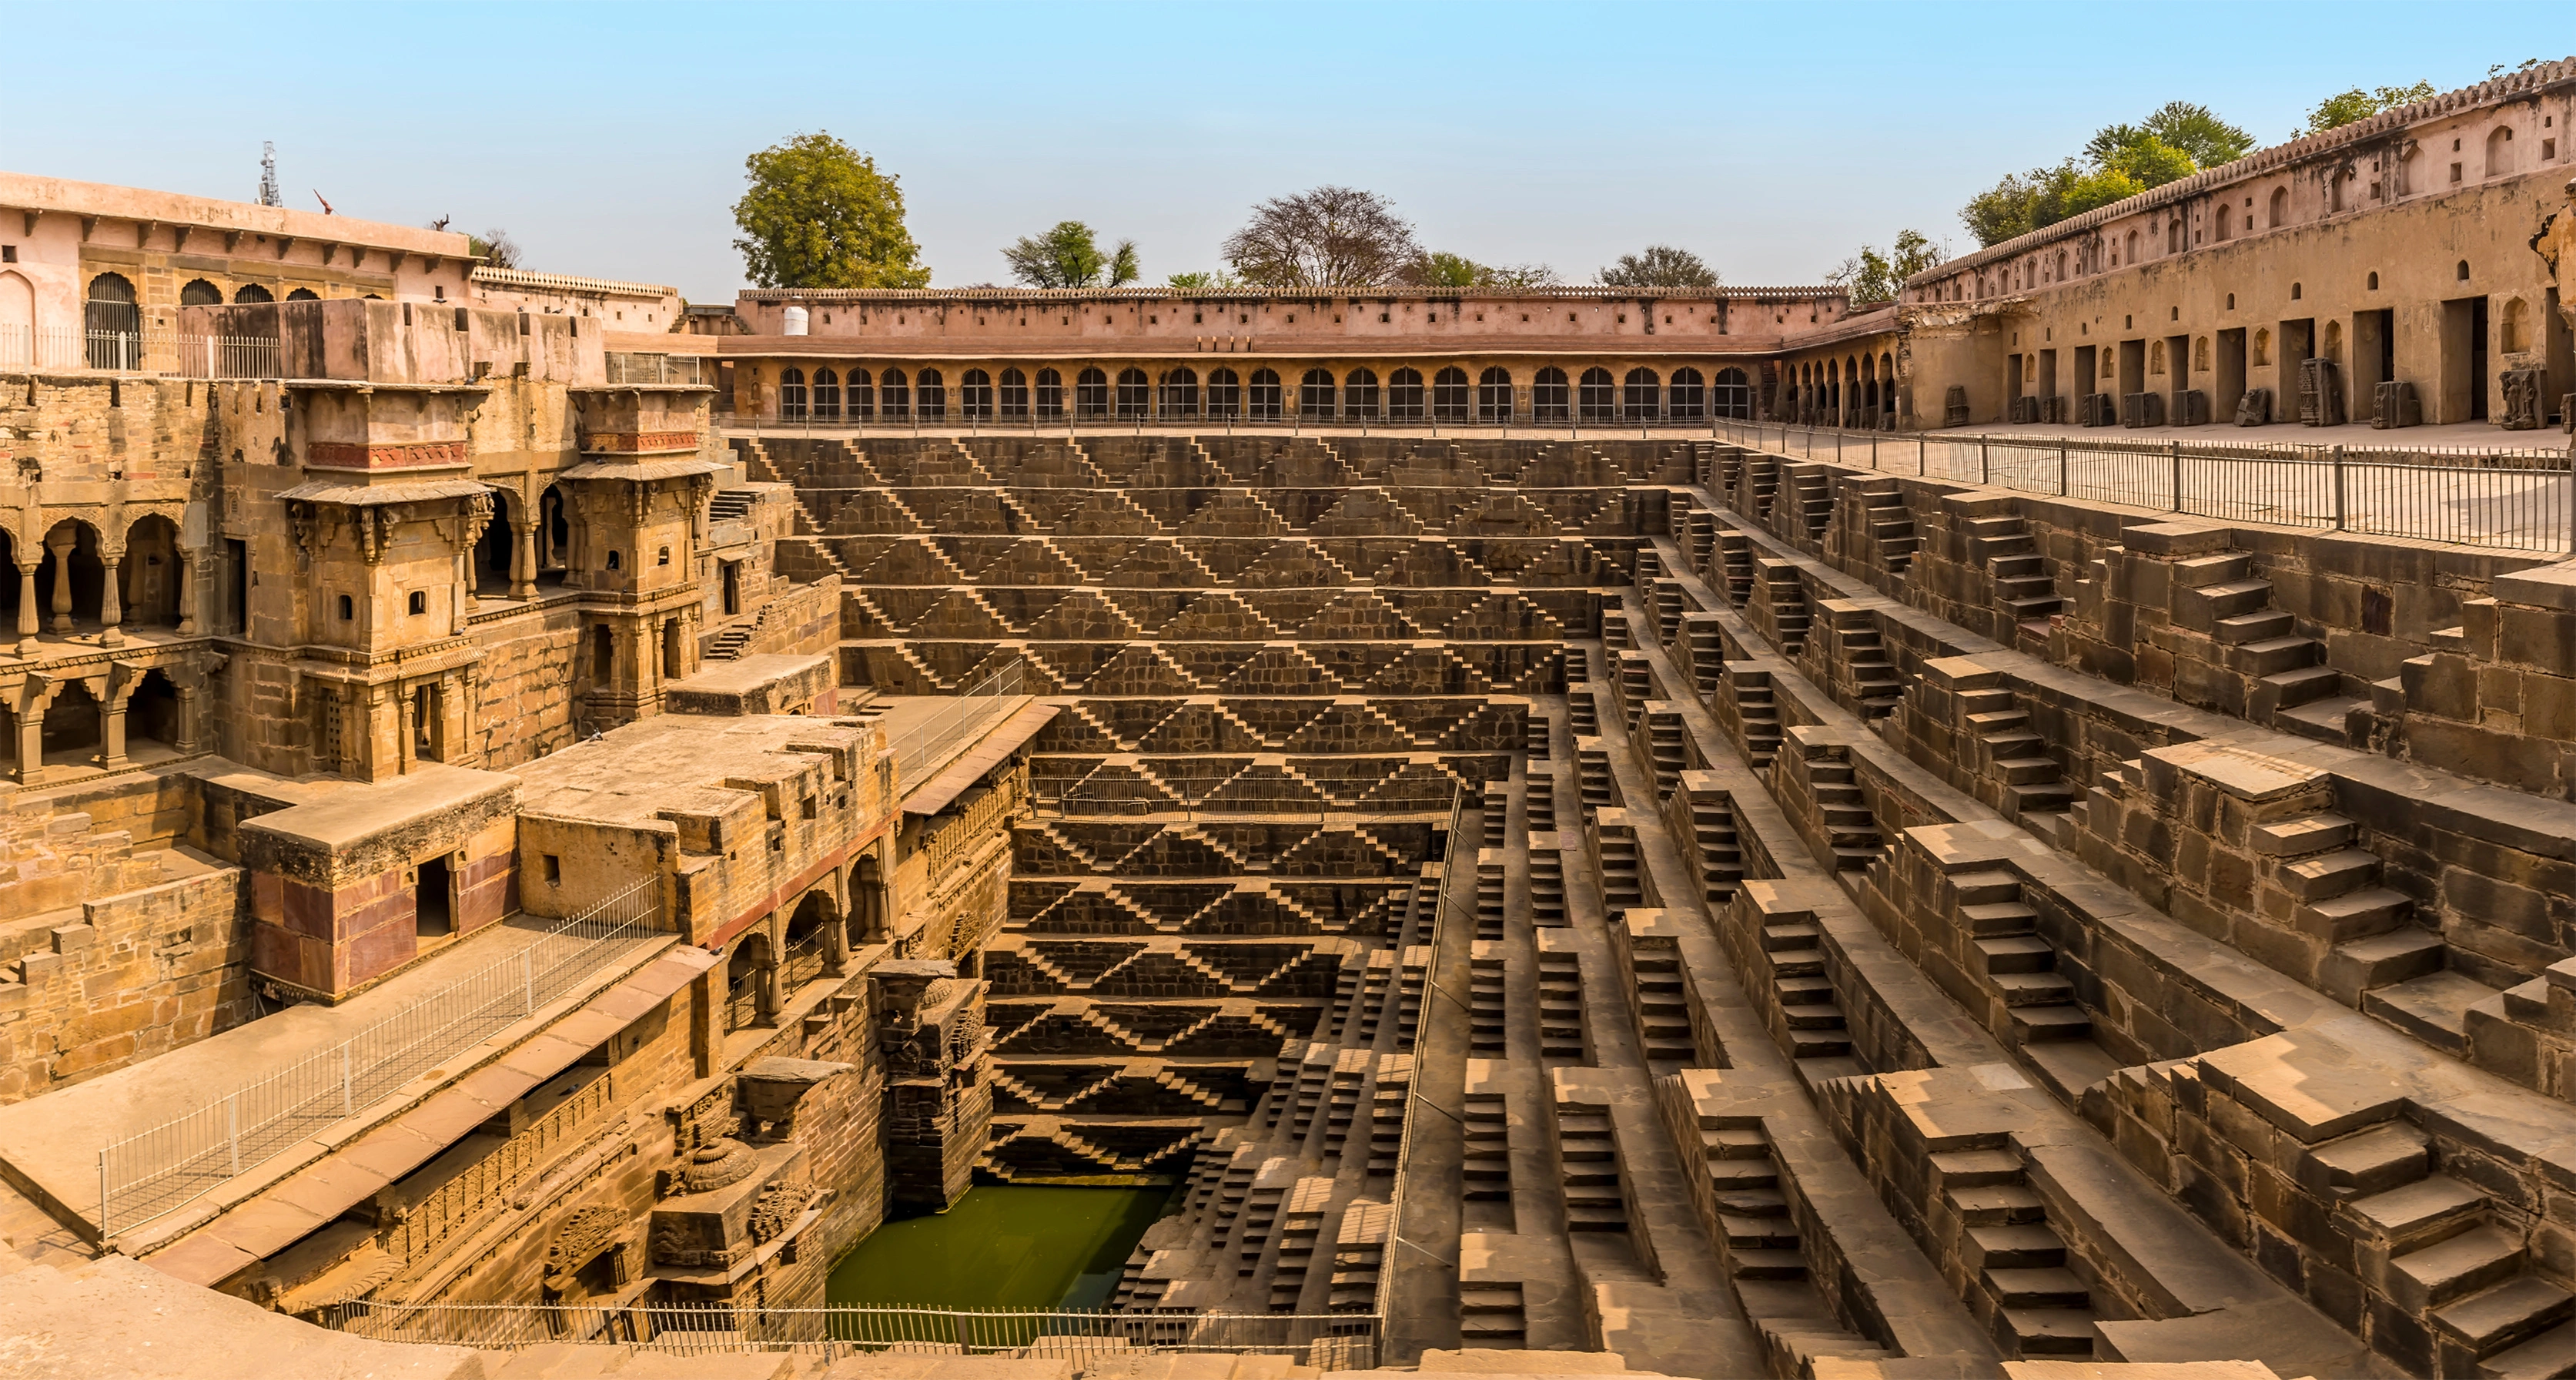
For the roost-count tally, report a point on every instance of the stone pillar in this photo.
(62, 582)
(186, 732)
(111, 736)
(836, 947)
(188, 558)
(31, 738)
(111, 602)
(27, 614)
(523, 560)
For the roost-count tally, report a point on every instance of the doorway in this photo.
(2298, 346)
(434, 908)
(2133, 368)
(2374, 357)
(2227, 385)
(2464, 359)
(2178, 361)
(2047, 375)
(732, 587)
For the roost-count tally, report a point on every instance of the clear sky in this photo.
(608, 138)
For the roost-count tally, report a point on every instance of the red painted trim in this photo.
(780, 895)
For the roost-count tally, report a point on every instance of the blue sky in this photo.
(609, 139)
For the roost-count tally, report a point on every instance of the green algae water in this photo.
(1003, 1245)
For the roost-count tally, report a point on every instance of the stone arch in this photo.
(1548, 396)
(2223, 225)
(2278, 214)
(1014, 394)
(555, 531)
(1404, 400)
(894, 395)
(74, 725)
(2262, 345)
(2500, 151)
(791, 395)
(496, 550)
(1449, 395)
(1263, 403)
(1091, 393)
(869, 902)
(148, 583)
(859, 396)
(1224, 394)
(1359, 394)
(72, 546)
(827, 395)
(1315, 393)
(1733, 396)
(200, 293)
(152, 715)
(17, 321)
(2333, 348)
(930, 396)
(2514, 327)
(1179, 392)
(815, 936)
(303, 294)
(1596, 397)
(975, 395)
(249, 293)
(1135, 393)
(113, 321)
(1641, 395)
(1047, 395)
(1494, 395)
(749, 982)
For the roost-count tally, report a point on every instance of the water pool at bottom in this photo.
(1011, 1245)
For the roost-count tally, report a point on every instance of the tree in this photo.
(819, 215)
(1068, 256)
(2001, 211)
(1660, 266)
(1329, 239)
(1199, 280)
(495, 247)
(2193, 130)
(2345, 107)
(1872, 277)
(1441, 269)
(1515, 277)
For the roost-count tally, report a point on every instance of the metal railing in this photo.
(2513, 499)
(969, 711)
(152, 1173)
(634, 368)
(1324, 1341)
(160, 352)
(1413, 1093)
(1289, 419)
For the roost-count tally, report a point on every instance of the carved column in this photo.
(111, 602)
(523, 560)
(27, 614)
(31, 733)
(111, 728)
(188, 558)
(62, 581)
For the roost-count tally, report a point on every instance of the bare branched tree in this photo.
(1330, 239)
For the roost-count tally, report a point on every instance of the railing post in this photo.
(1919, 445)
(348, 1083)
(103, 1231)
(1985, 463)
(2061, 469)
(528, 982)
(232, 1128)
(2338, 488)
(2177, 474)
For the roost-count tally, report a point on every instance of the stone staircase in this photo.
(2037, 1307)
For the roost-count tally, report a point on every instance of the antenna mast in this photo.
(268, 173)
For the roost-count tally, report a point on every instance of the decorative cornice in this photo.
(409, 455)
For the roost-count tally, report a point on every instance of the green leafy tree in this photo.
(1070, 256)
(819, 215)
(1514, 277)
(2002, 211)
(1872, 277)
(1199, 280)
(1441, 268)
(1659, 266)
(2193, 130)
(2345, 107)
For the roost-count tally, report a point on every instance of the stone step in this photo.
(2330, 874)
(2042, 1024)
(2253, 627)
(2035, 989)
(2454, 1267)
(2418, 1213)
(2051, 1331)
(2038, 1287)
(2018, 1248)
(2020, 953)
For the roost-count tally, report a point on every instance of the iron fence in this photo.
(152, 1173)
(1323, 1341)
(162, 353)
(967, 712)
(2522, 500)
